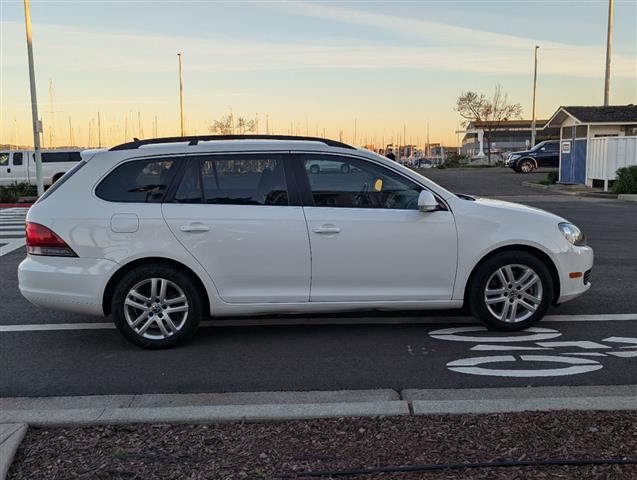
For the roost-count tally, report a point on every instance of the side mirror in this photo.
(543, 149)
(427, 202)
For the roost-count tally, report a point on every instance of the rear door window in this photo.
(17, 159)
(138, 181)
(252, 179)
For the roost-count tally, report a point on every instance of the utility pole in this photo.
(609, 42)
(99, 131)
(51, 115)
(534, 90)
(181, 96)
(37, 124)
(354, 142)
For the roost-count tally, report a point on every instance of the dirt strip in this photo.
(270, 450)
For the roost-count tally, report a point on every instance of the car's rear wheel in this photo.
(511, 291)
(157, 306)
(526, 166)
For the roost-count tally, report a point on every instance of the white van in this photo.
(18, 166)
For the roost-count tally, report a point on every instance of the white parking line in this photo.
(46, 327)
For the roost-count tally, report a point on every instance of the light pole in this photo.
(181, 96)
(534, 90)
(37, 124)
(609, 42)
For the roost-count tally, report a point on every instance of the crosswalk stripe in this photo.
(12, 229)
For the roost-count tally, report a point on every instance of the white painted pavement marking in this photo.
(12, 229)
(212, 323)
(576, 366)
(473, 365)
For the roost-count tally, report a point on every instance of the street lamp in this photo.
(37, 124)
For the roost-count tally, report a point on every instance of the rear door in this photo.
(240, 217)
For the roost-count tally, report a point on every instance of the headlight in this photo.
(514, 157)
(572, 233)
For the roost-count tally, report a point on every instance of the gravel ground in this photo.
(273, 450)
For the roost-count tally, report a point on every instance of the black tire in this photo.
(315, 169)
(526, 166)
(345, 168)
(56, 177)
(173, 275)
(483, 274)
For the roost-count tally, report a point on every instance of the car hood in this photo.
(523, 152)
(517, 207)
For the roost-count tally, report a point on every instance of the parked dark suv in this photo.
(544, 154)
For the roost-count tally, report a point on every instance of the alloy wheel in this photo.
(513, 293)
(156, 308)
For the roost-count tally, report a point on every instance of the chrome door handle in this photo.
(326, 229)
(194, 228)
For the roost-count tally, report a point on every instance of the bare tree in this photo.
(477, 107)
(227, 126)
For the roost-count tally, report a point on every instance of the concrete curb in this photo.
(560, 190)
(628, 197)
(200, 408)
(10, 437)
(503, 400)
(202, 414)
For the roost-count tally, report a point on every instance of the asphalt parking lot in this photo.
(78, 355)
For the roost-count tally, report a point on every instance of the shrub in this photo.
(626, 180)
(552, 177)
(11, 193)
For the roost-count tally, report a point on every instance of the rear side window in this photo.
(56, 157)
(138, 181)
(257, 179)
(17, 159)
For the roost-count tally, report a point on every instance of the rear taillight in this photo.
(43, 241)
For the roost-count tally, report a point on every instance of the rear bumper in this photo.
(70, 284)
(575, 260)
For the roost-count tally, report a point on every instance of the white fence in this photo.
(606, 155)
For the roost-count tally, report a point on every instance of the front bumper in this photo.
(574, 260)
(64, 283)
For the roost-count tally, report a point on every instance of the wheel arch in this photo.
(546, 259)
(124, 269)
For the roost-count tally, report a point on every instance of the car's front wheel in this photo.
(526, 166)
(511, 291)
(156, 306)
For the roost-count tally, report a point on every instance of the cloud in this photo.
(61, 48)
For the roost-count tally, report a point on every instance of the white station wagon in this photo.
(158, 233)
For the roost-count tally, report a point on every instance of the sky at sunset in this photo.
(314, 66)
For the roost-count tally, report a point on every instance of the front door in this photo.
(368, 239)
(237, 216)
